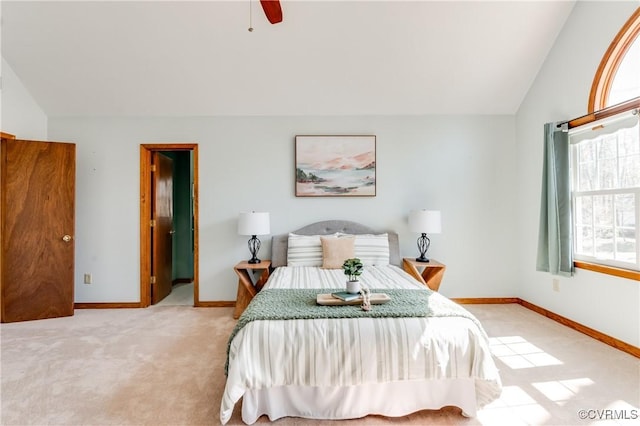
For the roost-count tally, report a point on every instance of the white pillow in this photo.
(304, 250)
(372, 249)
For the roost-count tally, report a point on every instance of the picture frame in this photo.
(335, 165)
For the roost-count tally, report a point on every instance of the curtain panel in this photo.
(554, 239)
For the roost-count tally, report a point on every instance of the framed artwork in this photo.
(335, 166)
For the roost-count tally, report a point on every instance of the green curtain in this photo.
(554, 238)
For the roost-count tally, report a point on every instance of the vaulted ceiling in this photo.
(124, 58)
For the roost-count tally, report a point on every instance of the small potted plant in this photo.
(353, 268)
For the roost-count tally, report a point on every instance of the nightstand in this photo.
(252, 277)
(428, 273)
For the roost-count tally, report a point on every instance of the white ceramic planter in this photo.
(353, 287)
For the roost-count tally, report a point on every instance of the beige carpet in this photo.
(181, 295)
(164, 366)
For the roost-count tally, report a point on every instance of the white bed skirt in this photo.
(392, 399)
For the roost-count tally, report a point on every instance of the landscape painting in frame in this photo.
(336, 166)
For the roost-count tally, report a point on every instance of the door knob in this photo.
(66, 238)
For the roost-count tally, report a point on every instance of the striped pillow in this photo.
(372, 250)
(304, 250)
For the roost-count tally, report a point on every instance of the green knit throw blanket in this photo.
(288, 304)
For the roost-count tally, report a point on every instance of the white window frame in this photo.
(635, 191)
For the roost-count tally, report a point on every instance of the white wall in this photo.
(464, 166)
(561, 91)
(20, 114)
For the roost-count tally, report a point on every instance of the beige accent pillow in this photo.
(335, 250)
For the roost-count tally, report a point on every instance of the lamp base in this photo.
(423, 245)
(254, 246)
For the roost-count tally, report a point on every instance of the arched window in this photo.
(605, 163)
(618, 76)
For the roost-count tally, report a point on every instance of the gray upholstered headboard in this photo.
(279, 243)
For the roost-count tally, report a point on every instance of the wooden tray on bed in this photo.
(328, 300)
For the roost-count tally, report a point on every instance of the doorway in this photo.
(183, 226)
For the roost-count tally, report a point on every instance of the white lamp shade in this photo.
(425, 221)
(253, 223)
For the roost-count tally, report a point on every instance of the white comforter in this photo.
(350, 352)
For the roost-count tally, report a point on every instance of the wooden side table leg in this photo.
(242, 300)
(433, 277)
(246, 292)
(413, 271)
(264, 276)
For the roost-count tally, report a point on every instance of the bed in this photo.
(351, 366)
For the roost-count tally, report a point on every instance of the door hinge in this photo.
(152, 223)
(153, 280)
(153, 167)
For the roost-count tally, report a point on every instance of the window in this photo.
(605, 163)
(605, 174)
(618, 76)
(626, 82)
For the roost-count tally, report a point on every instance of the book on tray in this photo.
(347, 297)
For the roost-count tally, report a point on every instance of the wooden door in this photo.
(38, 221)
(162, 235)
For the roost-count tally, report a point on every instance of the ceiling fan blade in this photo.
(273, 10)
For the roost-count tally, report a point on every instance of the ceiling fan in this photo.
(272, 10)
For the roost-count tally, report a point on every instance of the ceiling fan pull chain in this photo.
(250, 17)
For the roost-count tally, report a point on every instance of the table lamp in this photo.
(253, 223)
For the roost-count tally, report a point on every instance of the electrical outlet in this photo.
(556, 284)
(87, 278)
